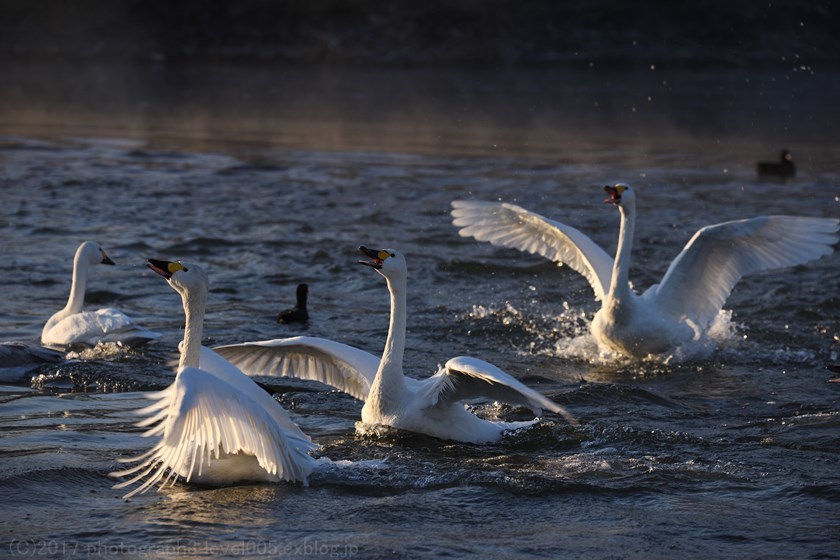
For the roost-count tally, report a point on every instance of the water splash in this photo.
(103, 351)
(99, 368)
(567, 335)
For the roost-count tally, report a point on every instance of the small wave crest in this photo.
(106, 367)
(103, 351)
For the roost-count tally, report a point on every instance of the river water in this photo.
(731, 452)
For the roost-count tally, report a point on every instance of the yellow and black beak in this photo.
(105, 258)
(615, 193)
(165, 268)
(377, 256)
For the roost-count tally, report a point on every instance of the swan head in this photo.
(91, 253)
(620, 194)
(183, 277)
(389, 263)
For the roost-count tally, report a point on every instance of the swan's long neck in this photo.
(620, 283)
(194, 304)
(389, 384)
(77, 289)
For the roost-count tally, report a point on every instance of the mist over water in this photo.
(501, 112)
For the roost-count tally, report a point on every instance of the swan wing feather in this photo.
(217, 366)
(700, 279)
(338, 365)
(204, 418)
(465, 378)
(508, 225)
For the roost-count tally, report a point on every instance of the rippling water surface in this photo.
(728, 452)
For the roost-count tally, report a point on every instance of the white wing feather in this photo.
(700, 279)
(202, 418)
(464, 378)
(338, 365)
(508, 225)
(217, 366)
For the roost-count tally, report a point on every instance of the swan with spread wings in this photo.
(696, 285)
(216, 425)
(431, 406)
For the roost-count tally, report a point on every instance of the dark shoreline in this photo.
(403, 33)
(473, 77)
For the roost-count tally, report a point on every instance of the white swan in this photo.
(693, 290)
(431, 406)
(216, 425)
(71, 325)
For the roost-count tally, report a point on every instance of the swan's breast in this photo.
(637, 330)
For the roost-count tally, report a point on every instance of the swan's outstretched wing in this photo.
(341, 366)
(702, 276)
(465, 378)
(203, 418)
(508, 225)
(217, 366)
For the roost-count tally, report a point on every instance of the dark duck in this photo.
(783, 168)
(298, 313)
